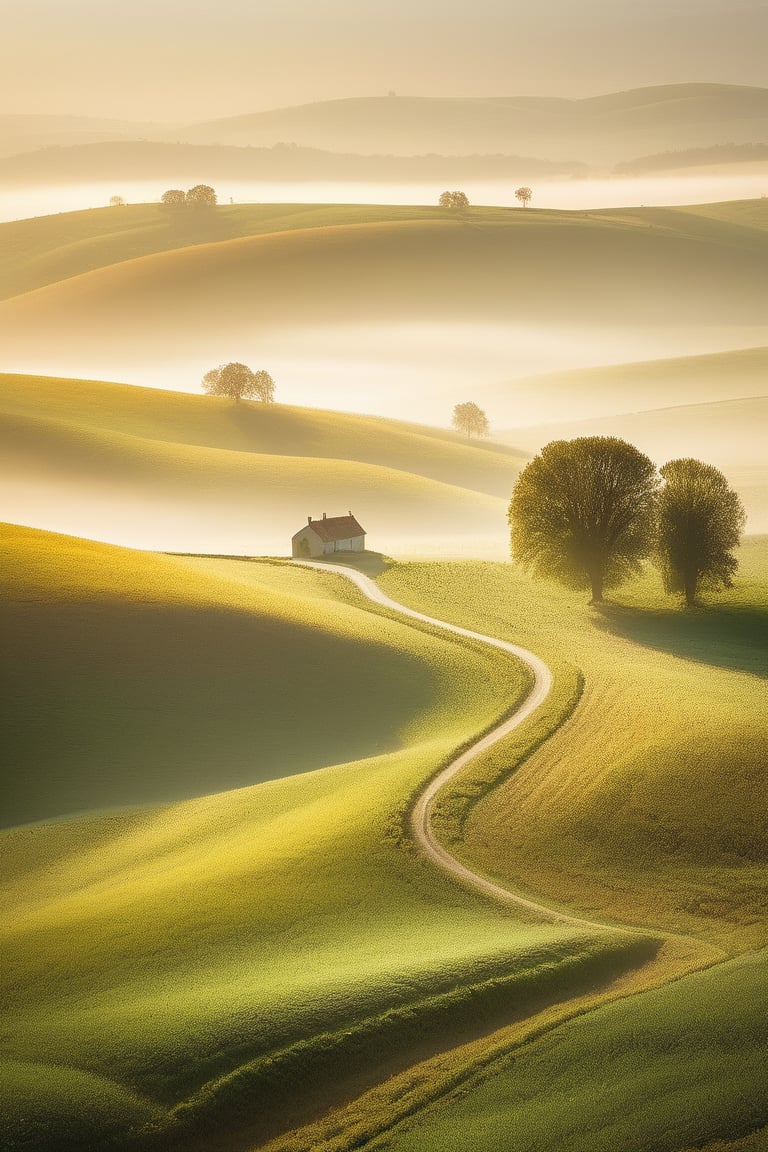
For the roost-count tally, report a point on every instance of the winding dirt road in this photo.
(421, 822)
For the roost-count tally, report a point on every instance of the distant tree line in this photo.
(587, 512)
(201, 196)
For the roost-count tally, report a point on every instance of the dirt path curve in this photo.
(421, 823)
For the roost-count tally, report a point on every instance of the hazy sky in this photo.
(184, 60)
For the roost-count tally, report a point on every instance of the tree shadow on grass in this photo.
(734, 637)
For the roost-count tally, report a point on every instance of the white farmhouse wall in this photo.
(316, 546)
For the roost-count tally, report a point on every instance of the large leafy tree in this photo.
(238, 382)
(699, 523)
(470, 419)
(582, 512)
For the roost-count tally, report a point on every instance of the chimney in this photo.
(350, 511)
(309, 519)
(323, 515)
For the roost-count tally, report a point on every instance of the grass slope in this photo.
(131, 678)
(647, 805)
(212, 422)
(575, 266)
(247, 958)
(678, 1066)
(46, 249)
(185, 498)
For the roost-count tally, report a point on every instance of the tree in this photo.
(699, 522)
(238, 382)
(524, 195)
(116, 202)
(470, 419)
(582, 513)
(201, 196)
(456, 200)
(173, 198)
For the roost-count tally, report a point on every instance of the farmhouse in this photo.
(331, 534)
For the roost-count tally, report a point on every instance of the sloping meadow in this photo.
(234, 963)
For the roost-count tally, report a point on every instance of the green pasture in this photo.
(241, 959)
(132, 678)
(648, 805)
(676, 1067)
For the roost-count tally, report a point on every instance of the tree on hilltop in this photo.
(116, 202)
(470, 419)
(238, 382)
(699, 523)
(201, 196)
(582, 513)
(458, 201)
(524, 195)
(173, 198)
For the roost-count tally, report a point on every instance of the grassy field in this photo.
(194, 473)
(245, 958)
(261, 955)
(134, 678)
(677, 1067)
(646, 806)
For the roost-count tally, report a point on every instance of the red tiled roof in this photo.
(337, 528)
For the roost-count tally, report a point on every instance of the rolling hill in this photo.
(194, 473)
(619, 390)
(647, 804)
(162, 961)
(25, 133)
(601, 129)
(548, 268)
(132, 160)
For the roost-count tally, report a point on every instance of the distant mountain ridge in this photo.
(604, 129)
(152, 159)
(599, 129)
